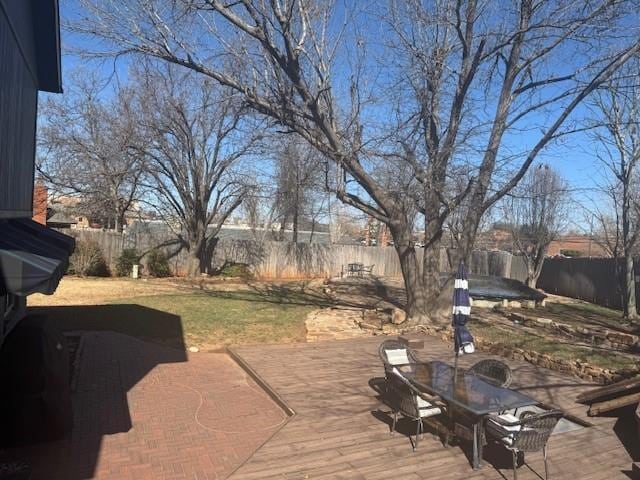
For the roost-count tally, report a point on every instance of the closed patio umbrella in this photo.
(462, 338)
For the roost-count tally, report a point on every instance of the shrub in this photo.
(571, 253)
(157, 264)
(231, 269)
(127, 259)
(88, 260)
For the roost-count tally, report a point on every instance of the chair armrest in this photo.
(429, 398)
(503, 422)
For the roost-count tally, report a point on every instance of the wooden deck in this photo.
(339, 429)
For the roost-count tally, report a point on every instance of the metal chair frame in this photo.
(533, 435)
(403, 398)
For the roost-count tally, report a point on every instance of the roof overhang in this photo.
(46, 28)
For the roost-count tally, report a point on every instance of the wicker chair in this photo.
(406, 399)
(493, 372)
(394, 352)
(529, 433)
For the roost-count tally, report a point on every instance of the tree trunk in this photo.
(193, 264)
(531, 280)
(197, 259)
(313, 230)
(119, 221)
(295, 223)
(431, 261)
(629, 307)
(417, 306)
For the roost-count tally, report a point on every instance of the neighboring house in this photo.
(61, 220)
(495, 239)
(577, 245)
(33, 258)
(570, 244)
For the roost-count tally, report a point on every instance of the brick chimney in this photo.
(40, 193)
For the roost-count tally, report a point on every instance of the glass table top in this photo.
(463, 389)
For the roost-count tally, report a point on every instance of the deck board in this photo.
(339, 429)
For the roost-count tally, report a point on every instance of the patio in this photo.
(340, 431)
(145, 411)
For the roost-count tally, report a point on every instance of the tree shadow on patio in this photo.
(113, 358)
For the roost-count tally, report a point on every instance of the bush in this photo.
(571, 253)
(157, 264)
(127, 259)
(88, 260)
(231, 269)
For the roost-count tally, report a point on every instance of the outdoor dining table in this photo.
(355, 269)
(468, 393)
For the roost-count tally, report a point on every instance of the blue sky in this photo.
(574, 158)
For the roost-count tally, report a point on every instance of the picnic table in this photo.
(357, 269)
(467, 393)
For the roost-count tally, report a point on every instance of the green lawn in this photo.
(203, 319)
(212, 320)
(584, 314)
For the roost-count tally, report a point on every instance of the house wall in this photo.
(18, 106)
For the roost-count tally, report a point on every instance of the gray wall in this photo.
(18, 104)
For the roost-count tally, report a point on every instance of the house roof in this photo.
(46, 27)
(61, 218)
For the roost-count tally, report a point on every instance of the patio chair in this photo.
(406, 399)
(367, 270)
(394, 353)
(529, 433)
(492, 371)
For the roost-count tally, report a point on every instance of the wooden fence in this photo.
(590, 279)
(290, 260)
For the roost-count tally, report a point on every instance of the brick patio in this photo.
(145, 411)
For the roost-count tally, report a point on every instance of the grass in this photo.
(554, 348)
(213, 320)
(584, 313)
(181, 313)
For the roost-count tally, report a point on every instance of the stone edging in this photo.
(620, 340)
(575, 367)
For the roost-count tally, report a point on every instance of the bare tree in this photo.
(476, 74)
(536, 214)
(298, 179)
(196, 135)
(84, 151)
(260, 212)
(618, 138)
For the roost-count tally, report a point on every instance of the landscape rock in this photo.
(545, 322)
(398, 316)
(369, 326)
(623, 338)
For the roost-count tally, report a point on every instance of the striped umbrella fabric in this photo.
(463, 340)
